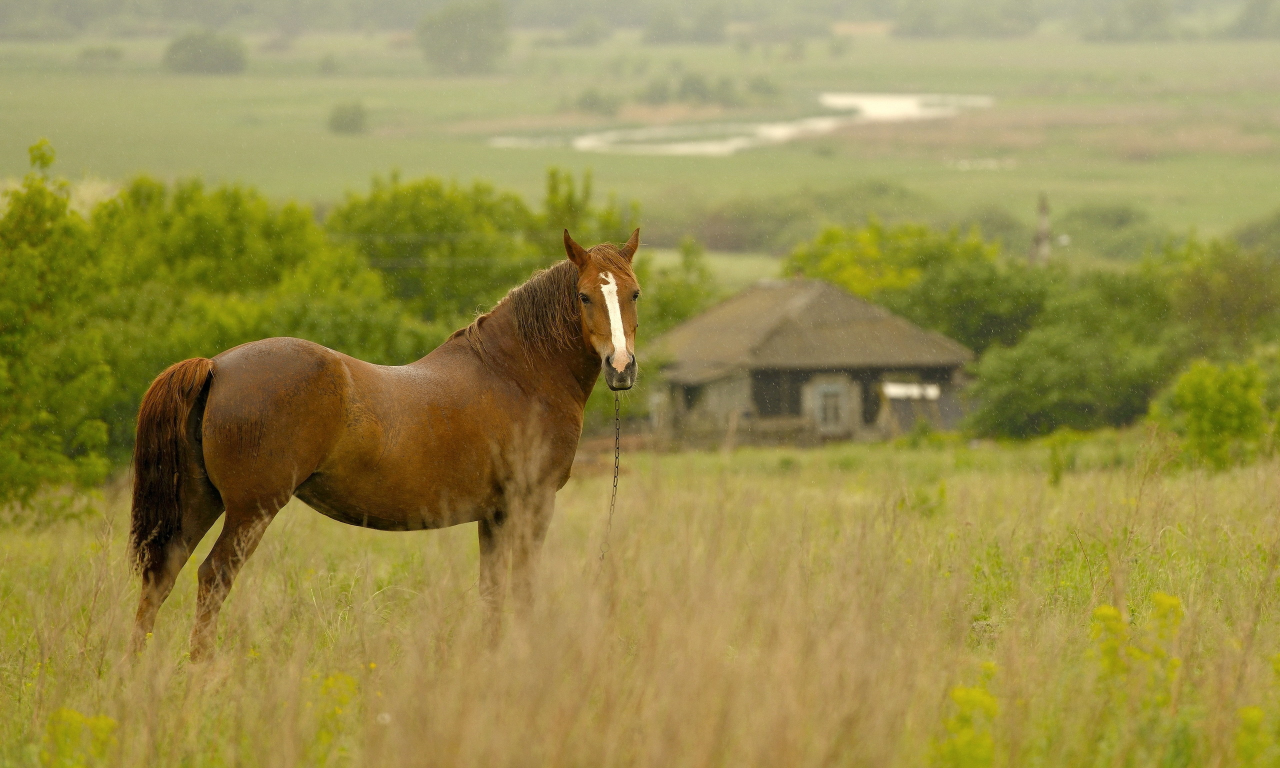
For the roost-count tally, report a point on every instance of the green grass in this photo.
(1185, 129)
(852, 605)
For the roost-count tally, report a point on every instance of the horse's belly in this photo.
(386, 507)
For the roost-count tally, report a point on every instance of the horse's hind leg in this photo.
(241, 533)
(201, 507)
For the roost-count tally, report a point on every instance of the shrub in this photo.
(348, 118)
(448, 250)
(1102, 346)
(599, 102)
(1217, 411)
(465, 37)
(52, 375)
(205, 53)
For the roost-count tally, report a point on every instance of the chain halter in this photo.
(617, 459)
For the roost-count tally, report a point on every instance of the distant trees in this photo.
(1258, 18)
(465, 37)
(1127, 19)
(705, 25)
(967, 18)
(206, 52)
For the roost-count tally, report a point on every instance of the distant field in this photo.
(733, 271)
(1188, 130)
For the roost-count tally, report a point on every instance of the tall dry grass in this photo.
(851, 606)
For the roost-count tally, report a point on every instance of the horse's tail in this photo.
(158, 459)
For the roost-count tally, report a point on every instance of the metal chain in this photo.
(617, 461)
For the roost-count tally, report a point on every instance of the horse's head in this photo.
(607, 293)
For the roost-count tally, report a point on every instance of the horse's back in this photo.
(275, 409)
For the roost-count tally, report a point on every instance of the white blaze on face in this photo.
(609, 287)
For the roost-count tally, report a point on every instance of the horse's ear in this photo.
(628, 251)
(577, 254)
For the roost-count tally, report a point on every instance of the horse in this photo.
(481, 430)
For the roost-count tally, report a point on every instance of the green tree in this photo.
(465, 37)
(206, 53)
(954, 284)
(1227, 296)
(978, 302)
(1102, 347)
(52, 375)
(1218, 412)
(447, 250)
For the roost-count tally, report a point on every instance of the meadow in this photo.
(1186, 130)
(948, 604)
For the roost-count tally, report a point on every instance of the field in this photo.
(1187, 130)
(854, 605)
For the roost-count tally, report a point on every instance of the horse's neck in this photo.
(571, 373)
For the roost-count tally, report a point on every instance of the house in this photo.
(802, 361)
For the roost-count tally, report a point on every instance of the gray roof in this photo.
(798, 324)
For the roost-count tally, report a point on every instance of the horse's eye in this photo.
(585, 298)
(635, 296)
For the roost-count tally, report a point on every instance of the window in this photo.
(776, 393)
(691, 395)
(829, 409)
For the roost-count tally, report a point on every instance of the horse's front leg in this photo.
(510, 543)
(526, 548)
(495, 563)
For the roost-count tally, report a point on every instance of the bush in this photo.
(1103, 345)
(447, 250)
(206, 53)
(595, 100)
(465, 37)
(1218, 412)
(1112, 231)
(348, 119)
(52, 375)
(1226, 296)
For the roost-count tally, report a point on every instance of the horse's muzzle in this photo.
(619, 380)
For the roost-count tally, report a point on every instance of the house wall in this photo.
(727, 411)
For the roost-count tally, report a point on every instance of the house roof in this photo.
(799, 324)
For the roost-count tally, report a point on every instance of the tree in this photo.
(206, 53)
(52, 375)
(448, 251)
(1218, 412)
(980, 303)
(1227, 296)
(1102, 347)
(952, 284)
(466, 37)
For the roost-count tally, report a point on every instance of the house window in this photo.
(776, 393)
(829, 410)
(691, 395)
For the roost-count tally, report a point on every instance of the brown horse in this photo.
(483, 430)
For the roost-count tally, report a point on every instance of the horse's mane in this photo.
(545, 306)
